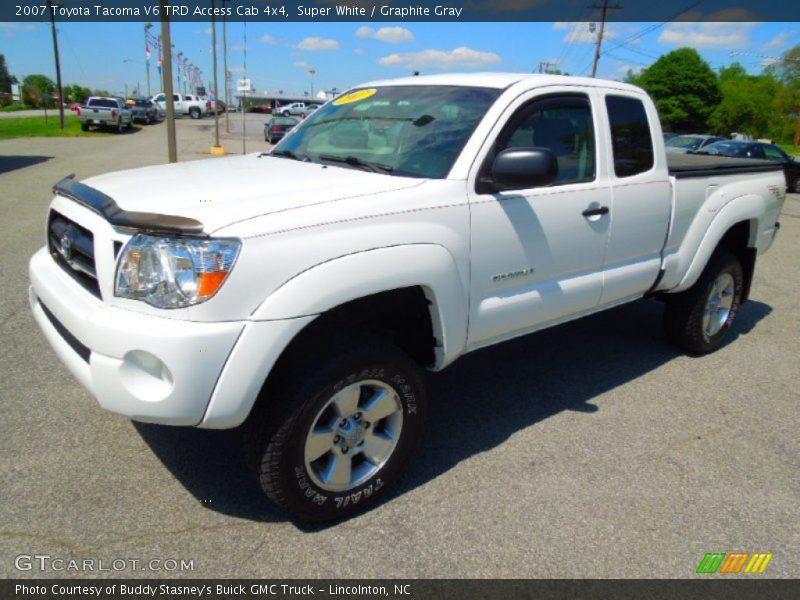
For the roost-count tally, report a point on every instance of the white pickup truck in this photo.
(185, 104)
(298, 294)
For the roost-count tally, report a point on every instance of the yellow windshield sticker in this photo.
(355, 96)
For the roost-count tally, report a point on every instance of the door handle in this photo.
(595, 212)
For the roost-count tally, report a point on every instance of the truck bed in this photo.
(701, 165)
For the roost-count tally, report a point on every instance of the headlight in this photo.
(174, 272)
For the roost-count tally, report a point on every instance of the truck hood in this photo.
(219, 192)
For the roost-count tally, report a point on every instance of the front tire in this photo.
(698, 320)
(328, 445)
(195, 113)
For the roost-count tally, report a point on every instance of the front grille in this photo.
(72, 247)
(73, 342)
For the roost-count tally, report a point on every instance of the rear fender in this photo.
(750, 208)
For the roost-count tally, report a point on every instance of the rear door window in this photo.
(631, 141)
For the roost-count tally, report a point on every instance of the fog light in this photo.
(145, 376)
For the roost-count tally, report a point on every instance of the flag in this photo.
(147, 52)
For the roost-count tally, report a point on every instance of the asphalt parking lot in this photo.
(589, 450)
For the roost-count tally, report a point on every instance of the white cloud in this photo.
(390, 35)
(707, 35)
(237, 48)
(239, 70)
(359, 51)
(9, 29)
(561, 25)
(269, 39)
(779, 41)
(459, 57)
(364, 31)
(302, 64)
(582, 33)
(318, 43)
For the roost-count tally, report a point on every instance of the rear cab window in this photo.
(102, 103)
(631, 140)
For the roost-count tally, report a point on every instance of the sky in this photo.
(111, 56)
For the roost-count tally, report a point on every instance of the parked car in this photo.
(295, 108)
(309, 110)
(305, 301)
(101, 111)
(277, 127)
(185, 104)
(143, 109)
(681, 144)
(668, 135)
(738, 149)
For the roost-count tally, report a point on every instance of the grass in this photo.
(16, 127)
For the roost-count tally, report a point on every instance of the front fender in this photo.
(335, 282)
(297, 302)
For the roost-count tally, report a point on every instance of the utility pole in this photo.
(147, 27)
(58, 61)
(216, 149)
(605, 8)
(225, 69)
(166, 72)
(545, 66)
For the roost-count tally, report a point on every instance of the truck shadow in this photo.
(474, 405)
(12, 163)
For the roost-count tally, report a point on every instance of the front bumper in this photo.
(145, 367)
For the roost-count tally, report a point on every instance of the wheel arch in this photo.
(734, 229)
(373, 283)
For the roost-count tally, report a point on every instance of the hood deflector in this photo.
(106, 207)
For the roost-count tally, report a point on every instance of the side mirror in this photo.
(521, 168)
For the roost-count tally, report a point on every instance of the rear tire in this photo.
(195, 113)
(84, 127)
(698, 320)
(336, 428)
(119, 126)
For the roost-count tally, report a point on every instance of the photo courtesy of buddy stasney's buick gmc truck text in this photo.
(298, 294)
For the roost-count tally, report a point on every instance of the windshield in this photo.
(415, 131)
(685, 141)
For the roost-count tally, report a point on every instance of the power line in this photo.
(604, 14)
(652, 28)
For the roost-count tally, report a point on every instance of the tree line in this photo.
(39, 91)
(692, 98)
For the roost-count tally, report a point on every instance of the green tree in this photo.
(77, 93)
(38, 91)
(747, 103)
(5, 81)
(786, 103)
(684, 88)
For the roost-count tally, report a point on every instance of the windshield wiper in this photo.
(287, 154)
(375, 167)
